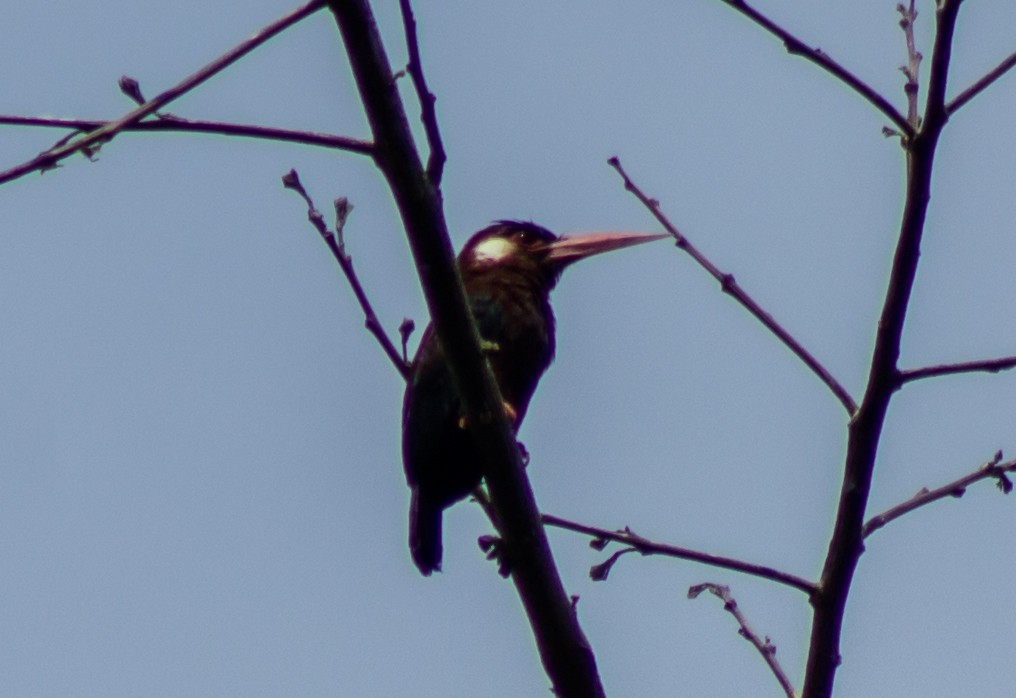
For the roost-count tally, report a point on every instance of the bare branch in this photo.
(731, 287)
(93, 139)
(981, 85)
(984, 365)
(797, 47)
(765, 646)
(994, 468)
(176, 124)
(648, 547)
(912, 69)
(565, 651)
(337, 246)
(436, 161)
(864, 433)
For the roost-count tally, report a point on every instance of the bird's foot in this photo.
(495, 550)
(489, 347)
(509, 412)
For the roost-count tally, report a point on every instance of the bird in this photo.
(508, 270)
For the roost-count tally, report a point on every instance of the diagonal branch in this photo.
(436, 161)
(338, 247)
(981, 85)
(797, 47)
(648, 547)
(566, 653)
(994, 468)
(92, 139)
(984, 365)
(730, 286)
(765, 646)
(176, 124)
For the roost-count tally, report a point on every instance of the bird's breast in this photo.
(518, 329)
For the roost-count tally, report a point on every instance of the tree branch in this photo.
(436, 161)
(648, 547)
(981, 85)
(912, 69)
(983, 365)
(337, 245)
(797, 47)
(565, 651)
(731, 287)
(93, 139)
(765, 647)
(847, 542)
(994, 468)
(176, 124)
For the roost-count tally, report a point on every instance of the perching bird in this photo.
(508, 270)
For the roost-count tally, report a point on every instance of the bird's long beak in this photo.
(572, 248)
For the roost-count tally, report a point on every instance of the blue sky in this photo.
(201, 490)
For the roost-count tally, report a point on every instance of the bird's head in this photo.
(527, 248)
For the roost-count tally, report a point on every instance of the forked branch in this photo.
(864, 433)
(93, 139)
(823, 60)
(564, 649)
(334, 240)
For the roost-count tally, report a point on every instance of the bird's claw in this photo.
(523, 453)
(509, 412)
(494, 549)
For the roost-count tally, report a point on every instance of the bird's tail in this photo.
(425, 533)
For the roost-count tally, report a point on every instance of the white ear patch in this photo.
(493, 250)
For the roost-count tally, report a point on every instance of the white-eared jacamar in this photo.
(508, 270)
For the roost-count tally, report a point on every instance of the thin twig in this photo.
(912, 69)
(174, 123)
(90, 141)
(406, 328)
(428, 115)
(335, 243)
(730, 286)
(981, 85)
(797, 47)
(984, 365)
(994, 468)
(648, 547)
(765, 646)
(599, 573)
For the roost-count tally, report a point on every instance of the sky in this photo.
(201, 491)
